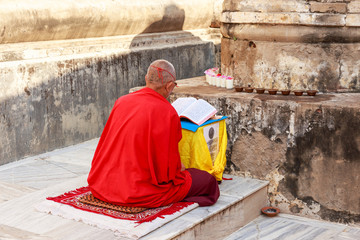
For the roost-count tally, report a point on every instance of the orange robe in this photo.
(137, 161)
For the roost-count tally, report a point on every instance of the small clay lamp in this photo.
(311, 92)
(285, 92)
(249, 89)
(298, 92)
(260, 90)
(272, 91)
(239, 89)
(270, 211)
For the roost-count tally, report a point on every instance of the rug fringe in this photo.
(69, 194)
(176, 207)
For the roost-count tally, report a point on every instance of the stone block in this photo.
(328, 7)
(353, 20)
(328, 67)
(354, 7)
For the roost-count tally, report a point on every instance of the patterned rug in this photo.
(82, 198)
(128, 222)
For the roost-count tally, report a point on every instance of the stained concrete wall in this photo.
(55, 92)
(292, 44)
(308, 148)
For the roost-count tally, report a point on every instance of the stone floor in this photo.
(285, 227)
(25, 182)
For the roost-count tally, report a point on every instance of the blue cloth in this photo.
(188, 125)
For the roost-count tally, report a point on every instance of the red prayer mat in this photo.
(73, 198)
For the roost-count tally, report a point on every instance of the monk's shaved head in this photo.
(160, 72)
(161, 77)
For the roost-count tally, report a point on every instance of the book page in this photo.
(199, 112)
(181, 104)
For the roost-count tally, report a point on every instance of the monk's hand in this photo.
(182, 167)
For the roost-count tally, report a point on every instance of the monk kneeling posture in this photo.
(137, 161)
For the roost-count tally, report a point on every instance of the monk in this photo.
(137, 161)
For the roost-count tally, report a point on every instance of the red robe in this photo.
(137, 161)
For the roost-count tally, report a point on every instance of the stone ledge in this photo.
(199, 88)
(308, 19)
(290, 33)
(105, 45)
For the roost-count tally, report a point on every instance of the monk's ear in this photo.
(168, 86)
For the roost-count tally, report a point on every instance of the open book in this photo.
(196, 110)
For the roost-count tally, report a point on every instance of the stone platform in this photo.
(294, 142)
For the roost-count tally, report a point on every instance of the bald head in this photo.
(159, 73)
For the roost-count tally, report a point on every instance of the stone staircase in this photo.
(240, 202)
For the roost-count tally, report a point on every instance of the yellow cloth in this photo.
(194, 151)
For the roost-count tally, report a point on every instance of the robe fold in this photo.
(137, 161)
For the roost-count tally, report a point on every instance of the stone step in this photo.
(240, 202)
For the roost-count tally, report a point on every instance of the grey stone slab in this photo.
(291, 227)
(240, 186)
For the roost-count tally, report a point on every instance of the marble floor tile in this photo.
(10, 191)
(81, 154)
(11, 233)
(21, 213)
(64, 158)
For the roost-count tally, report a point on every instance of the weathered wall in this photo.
(307, 147)
(55, 93)
(292, 44)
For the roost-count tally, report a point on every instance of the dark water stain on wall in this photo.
(332, 143)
